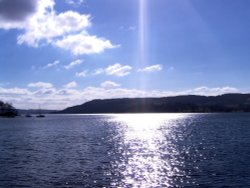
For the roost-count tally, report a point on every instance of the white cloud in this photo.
(66, 30)
(153, 68)
(44, 91)
(40, 85)
(81, 74)
(75, 2)
(70, 85)
(52, 98)
(49, 26)
(118, 70)
(73, 64)
(83, 43)
(213, 91)
(98, 71)
(109, 84)
(50, 65)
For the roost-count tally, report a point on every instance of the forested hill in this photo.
(187, 103)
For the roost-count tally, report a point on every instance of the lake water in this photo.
(129, 150)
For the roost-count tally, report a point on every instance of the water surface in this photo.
(126, 150)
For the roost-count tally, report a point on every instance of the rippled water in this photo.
(129, 150)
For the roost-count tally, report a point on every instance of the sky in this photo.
(60, 53)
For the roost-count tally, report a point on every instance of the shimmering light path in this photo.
(146, 164)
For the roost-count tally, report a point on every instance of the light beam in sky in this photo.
(142, 30)
(142, 42)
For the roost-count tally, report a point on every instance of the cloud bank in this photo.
(46, 95)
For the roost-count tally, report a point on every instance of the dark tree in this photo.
(7, 110)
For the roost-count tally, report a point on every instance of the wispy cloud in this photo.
(109, 84)
(153, 68)
(82, 74)
(40, 85)
(50, 65)
(69, 85)
(98, 71)
(73, 64)
(75, 2)
(118, 70)
(212, 91)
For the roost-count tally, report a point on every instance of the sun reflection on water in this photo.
(148, 157)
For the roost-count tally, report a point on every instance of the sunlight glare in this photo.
(143, 134)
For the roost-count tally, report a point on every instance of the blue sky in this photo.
(59, 53)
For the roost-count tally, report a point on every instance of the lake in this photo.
(126, 150)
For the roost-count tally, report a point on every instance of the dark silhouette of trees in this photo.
(188, 103)
(7, 110)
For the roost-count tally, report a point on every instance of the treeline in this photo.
(188, 103)
(7, 110)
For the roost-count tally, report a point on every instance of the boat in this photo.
(40, 116)
(28, 115)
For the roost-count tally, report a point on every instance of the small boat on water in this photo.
(28, 115)
(40, 116)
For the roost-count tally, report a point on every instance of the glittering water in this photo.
(129, 150)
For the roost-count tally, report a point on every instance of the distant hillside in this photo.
(188, 103)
